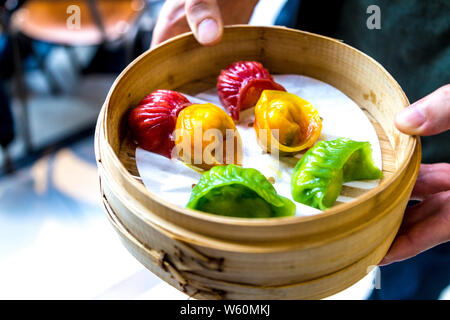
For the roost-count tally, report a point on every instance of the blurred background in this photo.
(58, 60)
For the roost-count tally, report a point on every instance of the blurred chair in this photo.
(101, 23)
(6, 118)
(6, 128)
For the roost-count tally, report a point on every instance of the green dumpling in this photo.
(238, 192)
(318, 176)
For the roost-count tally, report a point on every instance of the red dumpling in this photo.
(153, 121)
(240, 85)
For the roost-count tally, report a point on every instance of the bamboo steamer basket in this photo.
(213, 257)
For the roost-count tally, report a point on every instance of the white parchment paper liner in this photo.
(173, 180)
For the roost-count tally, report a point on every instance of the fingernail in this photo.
(412, 117)
(208, 31)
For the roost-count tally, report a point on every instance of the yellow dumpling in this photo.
(286, 119)
(206, 136)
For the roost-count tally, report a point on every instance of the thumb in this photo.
(205, 20)
(428, 116)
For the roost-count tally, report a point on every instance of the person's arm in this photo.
(427, 223)
(205, 18)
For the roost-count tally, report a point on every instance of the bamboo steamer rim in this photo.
(251, 222)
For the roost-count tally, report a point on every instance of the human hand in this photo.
(205, 18)
(427, 223)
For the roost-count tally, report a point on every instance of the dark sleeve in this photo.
(6, 119)
(319, 16)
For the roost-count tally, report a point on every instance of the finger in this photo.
(433, 178)
(427, 233)
(421, 211)
(428, 116)
(171, 22)
(205, 20)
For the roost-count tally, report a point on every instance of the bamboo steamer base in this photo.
(212, 257)
(179, 275)
(202, 288)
